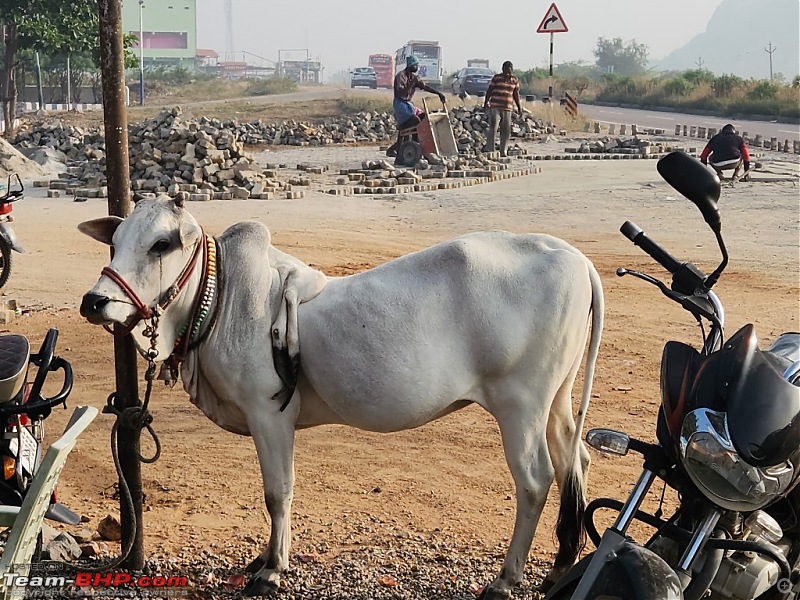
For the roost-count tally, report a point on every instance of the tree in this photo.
(47, 26)
(616, 56)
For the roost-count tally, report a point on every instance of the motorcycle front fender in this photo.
(628, 566)
(7, 233)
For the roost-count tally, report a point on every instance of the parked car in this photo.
(472, 80)
(364, 76)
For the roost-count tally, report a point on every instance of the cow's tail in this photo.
(570, 529)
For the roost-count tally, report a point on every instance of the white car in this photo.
(365, 77)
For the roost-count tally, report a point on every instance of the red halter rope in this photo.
(144, 311)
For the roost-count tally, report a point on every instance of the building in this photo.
(169, 29)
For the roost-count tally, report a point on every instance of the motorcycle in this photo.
(14, 190)
(23, 410)
(728, 441)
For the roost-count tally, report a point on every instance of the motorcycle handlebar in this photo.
(635, 234)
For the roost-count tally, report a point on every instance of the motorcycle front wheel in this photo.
(612, 585)
(5, 261)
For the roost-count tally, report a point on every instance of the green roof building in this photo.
(169, 30)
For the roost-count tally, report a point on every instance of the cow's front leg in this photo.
(273, 434)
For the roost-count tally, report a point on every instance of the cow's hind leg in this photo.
(570, 477)
(525, 448)
(275, 447)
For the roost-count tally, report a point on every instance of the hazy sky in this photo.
(342, 33)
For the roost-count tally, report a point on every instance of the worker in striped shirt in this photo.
(502, 95)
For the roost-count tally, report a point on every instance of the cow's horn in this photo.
(181, 198)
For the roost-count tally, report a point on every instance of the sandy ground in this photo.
(449, 476)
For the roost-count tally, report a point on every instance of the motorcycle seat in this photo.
(15, 352)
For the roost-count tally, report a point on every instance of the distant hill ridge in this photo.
(736, 36)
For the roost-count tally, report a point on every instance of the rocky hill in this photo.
(736, 36)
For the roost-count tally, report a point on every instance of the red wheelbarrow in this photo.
(433, 135)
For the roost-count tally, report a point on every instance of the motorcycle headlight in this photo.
(719, 472)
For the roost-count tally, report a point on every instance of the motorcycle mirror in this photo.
(608, 441)
(692, 179)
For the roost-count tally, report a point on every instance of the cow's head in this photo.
(152, 247)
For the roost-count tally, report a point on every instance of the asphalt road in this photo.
(667, 120)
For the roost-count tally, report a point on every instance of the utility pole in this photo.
(112, 64)
(699, 62)
(770, 51)
(141, 51)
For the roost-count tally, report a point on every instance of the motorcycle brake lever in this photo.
(674, 296)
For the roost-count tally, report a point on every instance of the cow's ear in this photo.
(101, 229)
(190, 233)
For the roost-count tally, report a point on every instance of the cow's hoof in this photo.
(490, 593)
(255, 566)
(260, 586)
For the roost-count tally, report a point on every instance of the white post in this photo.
(141, 52)
(69, 85)
(550, 91)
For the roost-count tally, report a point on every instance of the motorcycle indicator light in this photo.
(24, 420)
(9, 467)
(608, 441)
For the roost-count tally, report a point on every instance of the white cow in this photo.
(491, 318)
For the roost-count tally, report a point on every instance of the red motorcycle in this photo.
(14, 190)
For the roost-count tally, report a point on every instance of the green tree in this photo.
(679, 86)
(48, 26)
(616, 56)
(698, 76)
(725, 84)
(763, 90)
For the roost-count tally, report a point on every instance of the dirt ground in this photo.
(449, 476)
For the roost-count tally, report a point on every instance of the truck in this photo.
(430, 61)
(478, 62)
(384, 68)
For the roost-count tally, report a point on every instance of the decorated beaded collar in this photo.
(203, 307)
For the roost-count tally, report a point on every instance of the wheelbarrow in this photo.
(432, 135)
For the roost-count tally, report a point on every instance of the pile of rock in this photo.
(365, 127)
(632, 146)
(169, 154)
(432, 173)
(471, 124)
(206, 158)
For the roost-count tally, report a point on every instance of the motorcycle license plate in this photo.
(30, 448)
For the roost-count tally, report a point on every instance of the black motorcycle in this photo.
(23, 410)
(728, 436)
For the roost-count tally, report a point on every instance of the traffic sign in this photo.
(553, 22)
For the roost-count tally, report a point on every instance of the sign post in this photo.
(552, 23)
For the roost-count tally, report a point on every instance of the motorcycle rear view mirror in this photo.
(692, 179)
(608, 441)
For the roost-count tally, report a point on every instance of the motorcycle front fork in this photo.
(614, 537)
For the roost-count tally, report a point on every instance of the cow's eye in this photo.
(160, 247)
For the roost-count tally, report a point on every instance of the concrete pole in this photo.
(141, 51)
(39, 81)
(112, 64)
(69, 85)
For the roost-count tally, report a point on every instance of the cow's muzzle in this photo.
(92, 307)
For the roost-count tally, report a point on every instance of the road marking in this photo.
(788, 130)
